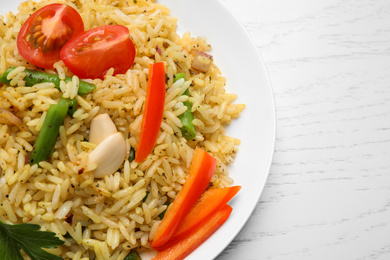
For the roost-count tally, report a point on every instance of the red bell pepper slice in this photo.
(202, 169)
(188, 244)
(211, 201)
(153, 111)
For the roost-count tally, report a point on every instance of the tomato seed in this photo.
(41, 39)
(37, 35)
(36, 28)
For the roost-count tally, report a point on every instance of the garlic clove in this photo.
(101, 128)
(108, 155)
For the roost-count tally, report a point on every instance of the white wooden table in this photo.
(328, 192)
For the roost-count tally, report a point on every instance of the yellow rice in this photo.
(109, 215)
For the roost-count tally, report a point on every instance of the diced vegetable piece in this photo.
(108, 155)
(34, 77)
(188, 244)
(201, 61)
(49, 132)
(158, 49)
(146, 196)
(131, 155)
(211, 201)
(162, 214)
(72, 106)
(8, 118)
(178, 76)
(188, 129)
(153, 111)
(202, 169)
(133, 255)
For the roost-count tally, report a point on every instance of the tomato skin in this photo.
(92, 53)
(43, 34)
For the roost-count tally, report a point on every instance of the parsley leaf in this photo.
(30, 239)
(8, 250)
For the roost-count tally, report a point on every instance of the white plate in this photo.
(237, 57)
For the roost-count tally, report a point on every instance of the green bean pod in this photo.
(49, 132)
(188, 129)
(72, 106)
(178, 76)
(34, 77)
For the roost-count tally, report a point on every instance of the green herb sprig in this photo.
(30, 239)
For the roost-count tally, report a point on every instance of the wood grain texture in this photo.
(328, 193)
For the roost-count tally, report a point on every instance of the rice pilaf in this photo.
(105, 218)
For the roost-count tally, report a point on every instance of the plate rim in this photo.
(273, 116)
(274, 125)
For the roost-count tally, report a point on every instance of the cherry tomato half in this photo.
(45, 32)
(92, 53)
